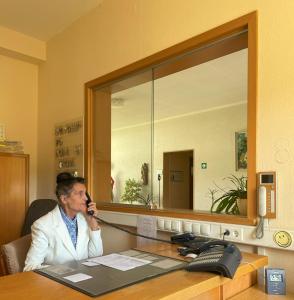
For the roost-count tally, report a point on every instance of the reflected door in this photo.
(178, 179)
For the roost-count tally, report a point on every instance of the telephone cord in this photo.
(259, 232)
(132, 233)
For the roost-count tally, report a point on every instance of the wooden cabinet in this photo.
(14, 192)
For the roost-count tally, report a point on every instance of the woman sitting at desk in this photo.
(67, 232)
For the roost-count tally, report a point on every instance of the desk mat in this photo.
(105, 279)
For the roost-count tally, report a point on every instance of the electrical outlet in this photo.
(236, 233)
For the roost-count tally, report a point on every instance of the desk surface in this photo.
(257, 293)
(176, 285)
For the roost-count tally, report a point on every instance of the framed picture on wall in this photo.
(241, 150)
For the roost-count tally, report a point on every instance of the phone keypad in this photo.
(204, 261)
(208, 257)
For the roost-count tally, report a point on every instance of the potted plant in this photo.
(229, 201)
(132, 191)
(133, 194)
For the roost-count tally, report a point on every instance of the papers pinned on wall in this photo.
(146, 225)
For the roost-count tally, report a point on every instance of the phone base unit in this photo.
(275, 283)
(217, 256)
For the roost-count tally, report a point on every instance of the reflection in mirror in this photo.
(197, 112)
(124, 165)
(169, 136)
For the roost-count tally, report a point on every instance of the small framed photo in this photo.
(241, 150)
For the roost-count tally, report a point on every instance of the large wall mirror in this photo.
(173, 134)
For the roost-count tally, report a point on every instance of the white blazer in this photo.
(51, 242)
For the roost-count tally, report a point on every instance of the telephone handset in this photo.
(91, 212)
(217, 256)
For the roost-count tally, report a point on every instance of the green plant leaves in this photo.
(133, 194)
(227, 202)
(132, 191)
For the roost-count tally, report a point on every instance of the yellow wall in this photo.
(18, 108)
(118, 33)
(108, 39)
(21, 46)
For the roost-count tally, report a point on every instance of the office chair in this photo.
(13, 254)
(36, 210)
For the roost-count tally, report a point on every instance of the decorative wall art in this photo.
(69, 147)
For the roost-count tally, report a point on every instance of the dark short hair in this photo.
(65, 182)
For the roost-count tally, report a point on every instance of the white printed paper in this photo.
(120, 262)
(78, 277)
(90, 264)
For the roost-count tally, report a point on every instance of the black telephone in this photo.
(189, 241)
(91, 212)
(216, 256)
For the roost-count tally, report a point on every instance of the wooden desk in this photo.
(257, 293)
(175, 285)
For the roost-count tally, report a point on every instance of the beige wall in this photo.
(18, 108)
(21, 46)
(217, 133)
(118, 33)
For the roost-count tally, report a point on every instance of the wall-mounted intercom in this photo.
(266, 194)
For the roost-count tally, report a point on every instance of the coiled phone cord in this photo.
(259, 231)
(130, 232)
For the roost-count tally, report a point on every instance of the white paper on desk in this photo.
(78, 277)
(120, 262)
(90, 264)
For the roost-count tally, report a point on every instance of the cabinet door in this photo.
(14, 170)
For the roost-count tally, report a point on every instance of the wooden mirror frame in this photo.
(236, 26)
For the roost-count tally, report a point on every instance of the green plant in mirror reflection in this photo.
(146, 200)
(133, 193)
(228, 201)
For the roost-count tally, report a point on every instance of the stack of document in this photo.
(11, 146)
(119, 261)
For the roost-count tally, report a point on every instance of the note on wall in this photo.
(146, 225)
(69, 147)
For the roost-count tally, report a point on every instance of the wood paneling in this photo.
(101, 169)
(257, 293)
(245, 281)
(14, 178)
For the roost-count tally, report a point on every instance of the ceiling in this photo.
(212, 85)
(43, 19)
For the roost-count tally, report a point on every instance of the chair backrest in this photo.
(14, 254)
(36, 210)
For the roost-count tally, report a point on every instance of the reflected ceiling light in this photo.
(117, 102)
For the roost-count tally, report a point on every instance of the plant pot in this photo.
(242, 205)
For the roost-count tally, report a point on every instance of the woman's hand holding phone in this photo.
(91, 211)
